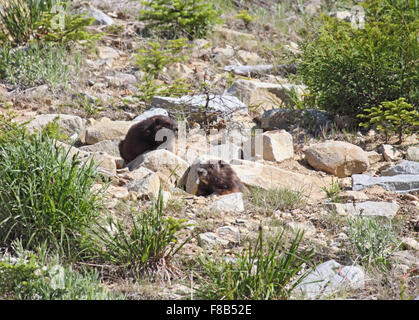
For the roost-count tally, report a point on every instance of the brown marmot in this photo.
(218, 178)
(141, 137)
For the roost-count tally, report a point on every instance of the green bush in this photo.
(24, 20)
(348, 69)
(373, 240)
(180, 18)
(35, 65)
(148, 241)
(45, 196)
(396, 116)
(266, 270)
(26, 277)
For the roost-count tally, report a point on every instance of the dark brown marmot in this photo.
(218, 178)
(141, 137)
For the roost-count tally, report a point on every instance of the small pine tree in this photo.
(180, 18)
(396, 116)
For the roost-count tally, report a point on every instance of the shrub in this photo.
(373, 239)
(148, 242)
(264, 271)
(26, 277)
(35, 65)
(348, 69)
(24, 20)
(45, 196)
(396, 116)
(179, 18)
(153, 59)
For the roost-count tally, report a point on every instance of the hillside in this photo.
(313, 104)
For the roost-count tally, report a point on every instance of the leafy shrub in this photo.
(373, 239)
(245, 17)
(153, 59)
(35, 65)
(25, 20)
(25, 277)
(149, 240)
(45, 196)
(264, 271)
(179, 18)
(396, 116)
(348, 69)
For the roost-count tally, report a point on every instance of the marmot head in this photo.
(157, 123)
(213, 170)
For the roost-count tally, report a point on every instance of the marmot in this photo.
(141, 137)
(218, 178)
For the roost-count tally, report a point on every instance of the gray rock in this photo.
(222, 104)
(330, 278)
(259, 69)
(399, 183)
(285, 118)
(100, 17)
(151, 113)
(412, 153)
(72, 126)
(210, 239)
(404, 167)
(120, 79)
(367, 208)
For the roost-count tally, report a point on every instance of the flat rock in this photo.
(228, 203)
(224, 104)
(330, 278)
(367, 208)
(250, 70)
(404, 167)
(267, 177)
(339, 158)
(106, 130)
(398, 183)
(151, 113)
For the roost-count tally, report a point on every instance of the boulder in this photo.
(144, 182)
(277, 145)
(106, 130)
(70, 125)
(389, 152)
(330, 278)
(311, 119)
(228, 203)
(166, 164)
(339, 158)
(412, 154)
(267, 177)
